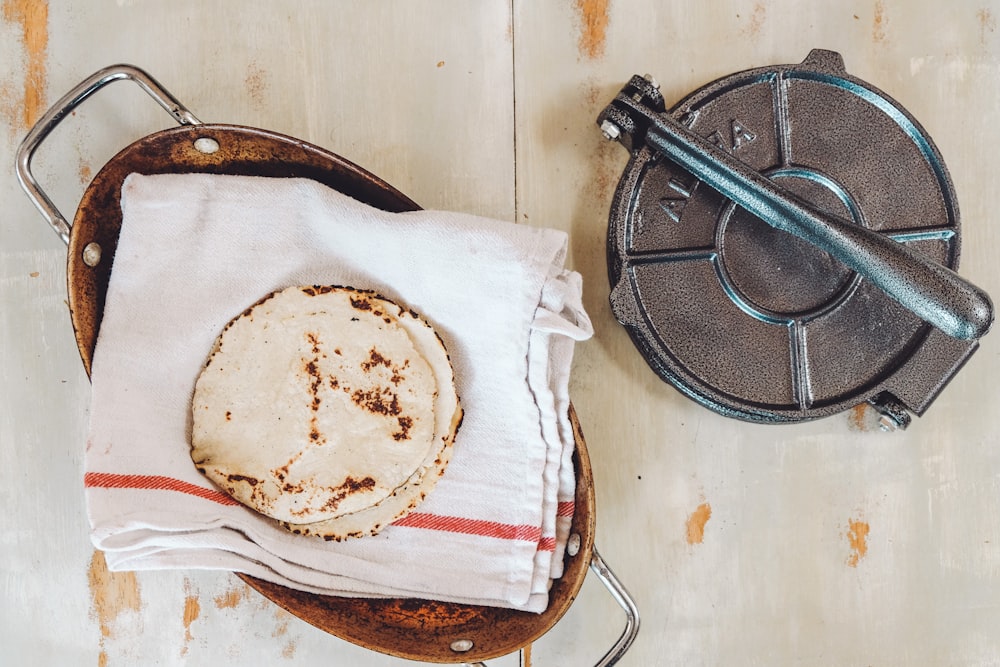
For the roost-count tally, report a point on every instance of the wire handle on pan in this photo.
(622, 597)
(62, 108)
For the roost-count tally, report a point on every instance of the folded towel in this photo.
(196, 250)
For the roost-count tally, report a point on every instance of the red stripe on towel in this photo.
(452, 524)
(565, 508)
(547, 544)
(107, 480)
(455, 524)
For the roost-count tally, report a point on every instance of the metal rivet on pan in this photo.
(462, 645)
(573, 544)
(206, 145)
(92, 254)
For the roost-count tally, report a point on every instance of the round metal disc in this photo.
(751, 321)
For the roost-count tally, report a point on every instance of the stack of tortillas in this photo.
(329, 409)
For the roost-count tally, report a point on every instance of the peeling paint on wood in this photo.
(696, 523)
(281, 628)
(232, 598)
(283, 618)
(879, 23)
(756, 20)
(192, 609)
(84, 172)
(594, 18)
(859, 418)
(33, 18)
(257, 83)
(857, 538)
(111, 593)
(987, 24)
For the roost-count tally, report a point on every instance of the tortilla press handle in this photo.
(932, 291)
(62, 108)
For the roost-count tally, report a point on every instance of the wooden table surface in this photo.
(824, 543)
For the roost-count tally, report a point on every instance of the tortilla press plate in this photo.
(748, 319)
(410, 628)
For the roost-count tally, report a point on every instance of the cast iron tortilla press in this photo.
(782, 246)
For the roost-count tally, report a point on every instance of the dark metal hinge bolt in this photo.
(895, 416)
(610, 130)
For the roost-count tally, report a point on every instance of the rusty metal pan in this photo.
(409, 628)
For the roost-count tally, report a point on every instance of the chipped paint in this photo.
(192, 609)
(232, 598)
(246, 603)
(857, 538)
(33, 18)
(756, 20)
(111, 594)
(10, 108)
(283, 618)
(84, 172)
(858, 418)
(256, 83)
(281, 628)
(987, 24)
(696, 523)
(879, 23)
(594, 20)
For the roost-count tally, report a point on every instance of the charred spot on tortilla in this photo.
(332, 445)
(242, 478)
(375, 358)
(405, 424)
(361, 304)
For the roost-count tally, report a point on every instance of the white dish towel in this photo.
(196, 250)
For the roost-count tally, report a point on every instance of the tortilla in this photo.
(447, 420)
(317, 403)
